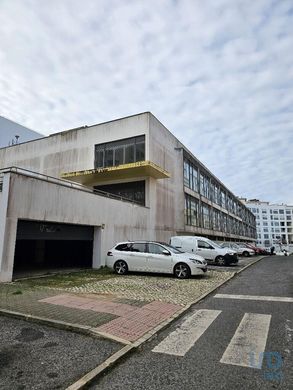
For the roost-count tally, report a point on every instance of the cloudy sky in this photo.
(218, 74)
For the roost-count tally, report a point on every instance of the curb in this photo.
(116, 357)
(77, 328)
(128, 347)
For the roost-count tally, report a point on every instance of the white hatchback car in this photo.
(151, 256)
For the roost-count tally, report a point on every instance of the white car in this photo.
(240, 249)
(151, 256)
(206, 248)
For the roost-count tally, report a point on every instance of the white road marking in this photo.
(255, 297)
(249, 341)
(184, 337)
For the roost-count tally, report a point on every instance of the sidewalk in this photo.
(119, 308)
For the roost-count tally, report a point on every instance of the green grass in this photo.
(73, 279)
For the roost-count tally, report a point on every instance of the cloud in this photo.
(218, 74)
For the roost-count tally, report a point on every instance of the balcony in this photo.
(120, 172)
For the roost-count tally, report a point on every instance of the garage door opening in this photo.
(46, 248)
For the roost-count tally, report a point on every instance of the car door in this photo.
(137, 257)
(157, 261)
(205, 250)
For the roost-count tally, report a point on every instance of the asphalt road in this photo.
(40, 357)
(226, 328)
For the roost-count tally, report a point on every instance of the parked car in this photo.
(258, 250)
(240, 249)
(151, 256)
(206, 248)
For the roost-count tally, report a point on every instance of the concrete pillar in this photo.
(8, 228)
(97, 248)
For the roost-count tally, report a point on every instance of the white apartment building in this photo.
(273, 222)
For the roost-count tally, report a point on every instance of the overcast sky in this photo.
(218, 74)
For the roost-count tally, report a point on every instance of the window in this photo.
(203, 245)
(201, 184)
(191, 211)
(138, 247)
(223, 199)
(205, 212)
(156, 249)
(190, 175)
(186, 173)
(194, 179)
(120, 152)
(134, 191)
(123, 247)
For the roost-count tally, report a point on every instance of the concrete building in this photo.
(273, 222)
(72, 195)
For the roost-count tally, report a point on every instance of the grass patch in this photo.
(17, 292)
(72, 279)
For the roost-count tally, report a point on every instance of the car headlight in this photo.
(196, 261)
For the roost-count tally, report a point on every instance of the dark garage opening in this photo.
(49, 246)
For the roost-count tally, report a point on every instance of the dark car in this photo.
(258, 251)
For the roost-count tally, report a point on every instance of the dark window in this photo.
(134, 190)
(191, 211)
(203, 245)
(118, 156)
(120, 152)
(129, 154)
(123, 247)
(138, 247)
(108, 158)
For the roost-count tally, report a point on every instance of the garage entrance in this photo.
(46, 246)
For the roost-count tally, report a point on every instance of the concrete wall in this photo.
(34, 199)
(72, 150)
(167, 196)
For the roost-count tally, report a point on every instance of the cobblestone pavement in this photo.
(149, 288)
(122, 306)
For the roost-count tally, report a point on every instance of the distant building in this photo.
(273, 222)
(12, 133)
(74, 194)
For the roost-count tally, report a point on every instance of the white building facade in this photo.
(273, 222)
(67, 198)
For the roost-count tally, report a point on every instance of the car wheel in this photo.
(182, 271)
(245, 254)
(220, 260)
(120, 267)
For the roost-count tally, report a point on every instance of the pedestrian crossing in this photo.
(184, 337)
(249, 339)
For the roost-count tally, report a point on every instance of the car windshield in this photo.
(214, 244)
(172, 248)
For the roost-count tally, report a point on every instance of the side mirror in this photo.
(165, 252)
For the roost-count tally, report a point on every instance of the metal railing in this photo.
(62, 182)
